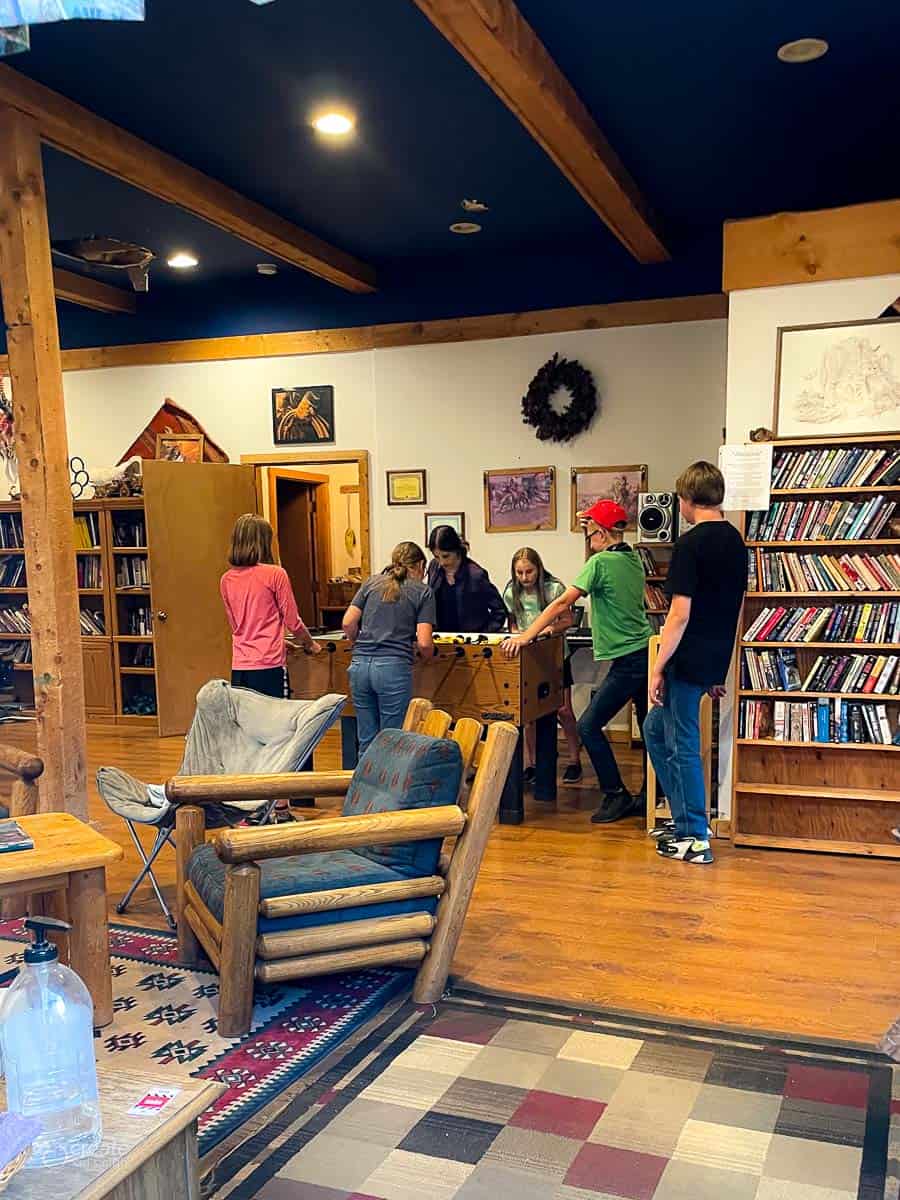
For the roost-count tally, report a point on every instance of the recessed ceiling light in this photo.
(465, 227)
(182, 261)
(335, 124)
(803, 50)
(267, 268)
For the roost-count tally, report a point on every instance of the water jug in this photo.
(47, 1040)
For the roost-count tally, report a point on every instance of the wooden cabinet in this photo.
(99, 691)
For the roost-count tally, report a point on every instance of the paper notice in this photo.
(748, 476)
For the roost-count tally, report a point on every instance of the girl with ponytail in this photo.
(389, 618)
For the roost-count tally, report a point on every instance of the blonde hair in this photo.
(701, 483)
(529, 555)
(251, 541)
(403, 557)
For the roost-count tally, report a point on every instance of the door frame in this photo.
(323, 554)
(322, 458)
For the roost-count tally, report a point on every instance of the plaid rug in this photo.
(485, 1102)
(165, 1020)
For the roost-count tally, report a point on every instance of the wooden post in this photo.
(190, 832)
(238, 957)
(29, 310)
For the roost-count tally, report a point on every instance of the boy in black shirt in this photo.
(706, 584)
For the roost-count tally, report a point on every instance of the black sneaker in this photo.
(572, 773)
(615, 807)
(689, 850)
(529, 775)
(665, 829)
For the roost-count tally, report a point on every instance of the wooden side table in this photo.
(70, 857)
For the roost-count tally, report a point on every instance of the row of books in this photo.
(140, 655)
(92, 623)
(15, 618)
(781, 571)
(132, 570)
(129, 531)
(655, 597)
(12, 572)
(837, 466)
(11, 537)
(87, 530)
(648, 561)
(872, 673)
(15, 652)
(139, 621)
(90, 571)
(826, 720)
(836, 623)
(821, 520)
(770, 671)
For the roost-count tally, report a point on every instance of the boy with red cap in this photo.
(613, 578)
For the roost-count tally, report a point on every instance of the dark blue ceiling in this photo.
(692, 97)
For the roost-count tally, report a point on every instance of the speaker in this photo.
(657, 513)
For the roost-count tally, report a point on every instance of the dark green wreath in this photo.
(537, 410)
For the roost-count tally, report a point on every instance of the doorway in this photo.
(300, 515)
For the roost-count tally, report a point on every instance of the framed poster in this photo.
(455, 520)
(520, 500)
(406, 487)
(302, 416)
(622, 484)
(838, 380)
(180, 447)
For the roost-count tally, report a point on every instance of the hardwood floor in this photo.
(787, 942)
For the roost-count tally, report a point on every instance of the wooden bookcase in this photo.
(838, 797)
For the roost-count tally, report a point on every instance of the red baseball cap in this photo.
(605, 513)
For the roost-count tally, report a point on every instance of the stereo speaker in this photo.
(657, 516)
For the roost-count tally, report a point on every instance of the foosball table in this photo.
(468, 677)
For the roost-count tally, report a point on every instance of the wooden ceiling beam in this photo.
(68, 127)
(92, 293)
(495, 39)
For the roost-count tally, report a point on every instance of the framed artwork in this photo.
(180, 447)
(520, 500)
(302, 416)
(406, 487)
(836, 380)
(455, 520)
(622, 484)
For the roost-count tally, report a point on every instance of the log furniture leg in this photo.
(546, 753)
(89, 939)
(190, 829)
(236, 970)
(512, 802)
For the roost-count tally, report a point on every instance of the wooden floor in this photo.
(568, 911)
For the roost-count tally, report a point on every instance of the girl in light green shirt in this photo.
(529, 591)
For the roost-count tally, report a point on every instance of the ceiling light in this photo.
(803, 50)
(474, 206)
(335, 124)
(182, 261)
(465, 227)
(266, 269)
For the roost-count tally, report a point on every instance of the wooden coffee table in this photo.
(70, 859)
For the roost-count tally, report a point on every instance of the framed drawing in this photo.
(838, 379)
(520, 500)
(622, 484)
(406, 487)
(180, 447)
(302, 416)
(456, 520)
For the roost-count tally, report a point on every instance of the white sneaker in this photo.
(690, 850)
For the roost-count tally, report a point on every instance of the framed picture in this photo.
(836, 380)
(406, 487)
(520, 500)
(456, 520)
(302, 416)
(622, 484)
(180, 447)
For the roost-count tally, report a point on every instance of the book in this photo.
(13, 837)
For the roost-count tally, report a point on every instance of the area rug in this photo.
(487, 1102)
(165, 1020)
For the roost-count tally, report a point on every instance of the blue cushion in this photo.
(400, 771)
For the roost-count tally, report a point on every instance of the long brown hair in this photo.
(251, 541)
(403, 556)
(516, 589)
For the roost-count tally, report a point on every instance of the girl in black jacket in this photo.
(466, 600)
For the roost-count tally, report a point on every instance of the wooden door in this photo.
(300, 514)
(190, 509)
(99, 690)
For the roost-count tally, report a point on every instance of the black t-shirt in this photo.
(709, 564)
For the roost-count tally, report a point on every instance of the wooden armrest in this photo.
(20, 762)
(236, 789)
(339, 833)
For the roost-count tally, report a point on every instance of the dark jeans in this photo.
(268, 681)
(626, 680)
(672, 738)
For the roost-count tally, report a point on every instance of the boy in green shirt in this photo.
(613, 577)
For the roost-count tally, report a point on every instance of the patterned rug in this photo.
(485, 1102)
(165, 1019)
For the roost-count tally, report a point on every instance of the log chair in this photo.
(242, 953)
(25, 769)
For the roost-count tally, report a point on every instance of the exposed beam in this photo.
(73, 129)
(29, 311)
(92, 293)
(495, 39)
(713, 307)
(855, 242)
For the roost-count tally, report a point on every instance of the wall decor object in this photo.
(170, 418)
(302, 416)
(180, 447)
(456, 520)
(80, 480)
(538, 409)
(622, 484)
(406, 487)
(520, 500)
(8, 441)
(834, 380)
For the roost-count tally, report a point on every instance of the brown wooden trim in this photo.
(92, 293)
(76, 131)
(858, 241)
(497, 41)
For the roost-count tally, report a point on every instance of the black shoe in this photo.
(615, 807)
(529, 775)
(572, 773)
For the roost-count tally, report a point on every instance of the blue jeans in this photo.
(672, 738)
(626, 680)
(381, 688)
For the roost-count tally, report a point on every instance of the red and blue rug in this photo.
(165, 1020)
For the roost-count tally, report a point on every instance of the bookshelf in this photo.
(818, 704)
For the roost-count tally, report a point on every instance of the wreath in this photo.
(537, 410)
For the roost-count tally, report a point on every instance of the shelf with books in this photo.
(819, 791)
(838, 491)
(828, 542)
(820, 645)
(777, 744)
(129, 550)
(844, 595)
(780, 694)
